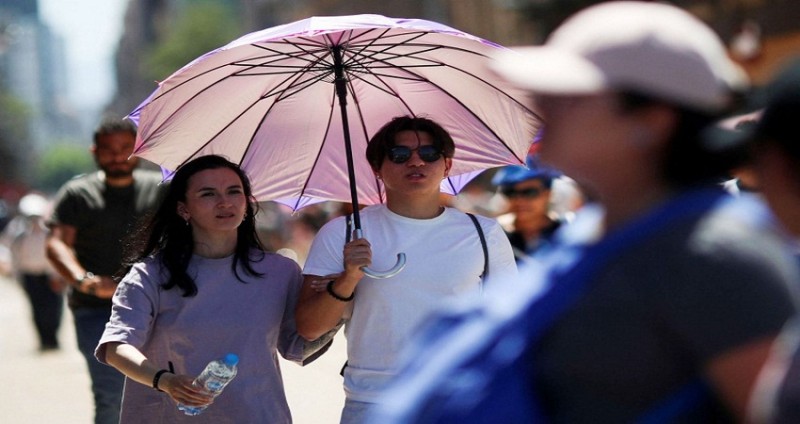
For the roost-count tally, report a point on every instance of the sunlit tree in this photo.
(200, 27)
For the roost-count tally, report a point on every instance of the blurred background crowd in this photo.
(53, 92)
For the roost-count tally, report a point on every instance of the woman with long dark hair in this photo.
(202, 286)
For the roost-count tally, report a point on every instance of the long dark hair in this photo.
(168, 234)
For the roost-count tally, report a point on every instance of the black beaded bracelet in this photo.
(158, 377)
(333, 294)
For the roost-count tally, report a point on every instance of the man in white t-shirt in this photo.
(445, 259)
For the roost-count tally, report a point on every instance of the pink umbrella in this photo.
(276, 102)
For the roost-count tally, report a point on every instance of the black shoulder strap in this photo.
(347, 237)
(483, 245)
(348, 228)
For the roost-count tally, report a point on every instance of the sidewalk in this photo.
(54, 387)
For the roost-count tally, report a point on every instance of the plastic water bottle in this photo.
(214, 378)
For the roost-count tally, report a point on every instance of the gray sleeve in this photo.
(133, 311)
(725, 293)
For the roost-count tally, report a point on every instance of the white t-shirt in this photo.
(444, 259)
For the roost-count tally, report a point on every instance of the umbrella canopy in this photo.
(269, 101)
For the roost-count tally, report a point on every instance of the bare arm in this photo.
(733, 374)
(62, 256)
(317, 312)
(132, 362)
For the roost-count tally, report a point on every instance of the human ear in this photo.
(182, 211)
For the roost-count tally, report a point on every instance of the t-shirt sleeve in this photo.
(65, 208)
(732, 293)
(502, 265)
(326, 253)
(290, 344)
(133, 310)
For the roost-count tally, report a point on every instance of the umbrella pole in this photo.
(341, 92)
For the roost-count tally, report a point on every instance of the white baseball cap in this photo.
(650, 48)
(33, 204)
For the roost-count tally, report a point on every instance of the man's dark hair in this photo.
(384, 139)
(113, 126)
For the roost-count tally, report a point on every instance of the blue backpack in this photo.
(473, 364)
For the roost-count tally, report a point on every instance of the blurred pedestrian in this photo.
(26, 235)
(744, 178)
(529, 224)
(92, 215)
(448, 254)
(202, 286)
(667, 307)
(775, 138)
(776, 143)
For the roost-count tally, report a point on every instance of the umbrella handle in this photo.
(398, 266)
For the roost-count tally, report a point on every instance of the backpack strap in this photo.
(348, 228)
(483, 245)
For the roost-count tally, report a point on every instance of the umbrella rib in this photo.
(310, 65)
(357, 103)
(431, 63)
(455, 99)
(319, 154)
(277, 55)
(361, 119)
(232, 121)
(417, 77)
(296, 74)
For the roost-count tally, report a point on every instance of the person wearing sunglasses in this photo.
(445, 259)
(529, 224)
(664, 306)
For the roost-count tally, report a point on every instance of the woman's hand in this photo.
(181, 389)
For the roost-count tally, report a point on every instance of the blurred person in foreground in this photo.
(529, 223)
(411, 156)
(92, 214)
(664, 305)
(25, 237)
(200, 286)
(775, 140)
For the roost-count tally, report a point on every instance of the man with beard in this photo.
(92, 215)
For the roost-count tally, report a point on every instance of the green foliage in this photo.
(201, 27)
(14, 115)
(60, 163)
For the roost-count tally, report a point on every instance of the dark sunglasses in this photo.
(401, 154)
(528, 192)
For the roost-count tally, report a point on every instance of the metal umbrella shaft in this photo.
(340, 83)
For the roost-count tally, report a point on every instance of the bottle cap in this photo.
(231, 359)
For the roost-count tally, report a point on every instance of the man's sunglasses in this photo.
(527, 192)
(402, 154)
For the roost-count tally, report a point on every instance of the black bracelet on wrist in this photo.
(158, 377)
(333, 294)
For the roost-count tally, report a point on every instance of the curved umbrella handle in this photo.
(398, 266)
